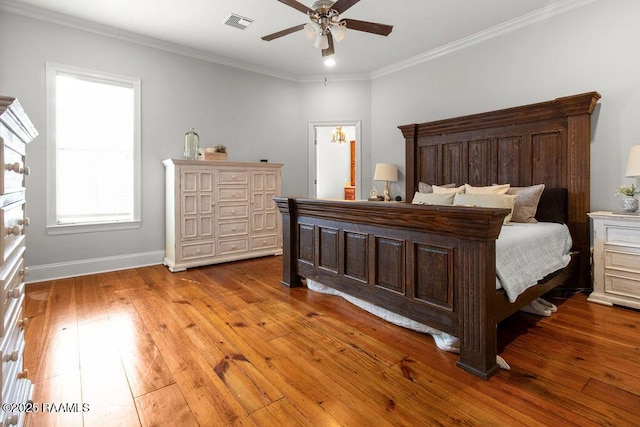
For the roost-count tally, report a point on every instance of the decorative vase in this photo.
(191, 145)
(629, 204)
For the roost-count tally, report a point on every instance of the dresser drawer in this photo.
(235, 228)
(622, 259)
(11, 285)
(233, 246)
(233, 211)
(233, 194)
(11, 353)
(625, 285)
(264, 242)
(12, 179)
(198, 250)
(13, 221)
(233, 177)
(624, 236)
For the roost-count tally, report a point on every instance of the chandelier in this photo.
(324, 21)
(338, 136)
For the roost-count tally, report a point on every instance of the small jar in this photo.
(191, 145)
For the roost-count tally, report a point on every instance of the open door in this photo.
(334, 167)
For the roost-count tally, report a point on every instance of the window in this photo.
(93, 150)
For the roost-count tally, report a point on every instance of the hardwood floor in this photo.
(229, 345)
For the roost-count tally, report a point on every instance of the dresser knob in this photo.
(24, 272)
(23, 374)
(23, 323)
(15, 293)
(11, 420)
(25, 221)
(26, 170)
(14, 167)
(233, 229)
(11, 357)
(233, 246)
(16, 230)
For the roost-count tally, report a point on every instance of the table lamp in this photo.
(633, 162)
(386, 172)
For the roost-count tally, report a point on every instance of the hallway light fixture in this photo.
(338, 136)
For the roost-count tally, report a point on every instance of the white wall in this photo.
(589, 48)
(592, 48)
(255, 116)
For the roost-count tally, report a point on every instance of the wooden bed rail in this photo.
(433, 264)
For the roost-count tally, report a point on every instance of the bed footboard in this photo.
(433, 264)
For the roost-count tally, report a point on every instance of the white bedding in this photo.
(526, 253)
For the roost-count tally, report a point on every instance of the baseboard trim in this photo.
(41, 273)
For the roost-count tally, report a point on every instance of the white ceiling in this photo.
(421, 28)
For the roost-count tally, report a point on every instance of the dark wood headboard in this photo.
(544, 143)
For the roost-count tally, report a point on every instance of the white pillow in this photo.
(438, 189)
(423, 187)
(432, 199)
(506, 201)
(489, 189)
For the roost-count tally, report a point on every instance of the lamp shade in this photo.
(385, 172)
(633, 162)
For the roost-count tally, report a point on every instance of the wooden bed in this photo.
(436, 264)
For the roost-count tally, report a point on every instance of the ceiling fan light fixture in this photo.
(311, 30)
(322, 42)
(339, 32)
(329, 62)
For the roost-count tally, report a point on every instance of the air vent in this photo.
(238, 21)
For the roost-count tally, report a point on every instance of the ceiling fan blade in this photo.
(283, 33)
(297, 5)
(342, 5)
(368, 27)
(328, 51)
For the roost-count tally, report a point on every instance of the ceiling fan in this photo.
(326, 24)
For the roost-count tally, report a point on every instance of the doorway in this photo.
(334, 167)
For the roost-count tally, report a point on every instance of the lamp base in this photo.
(387, 194)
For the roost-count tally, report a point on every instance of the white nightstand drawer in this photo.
(624, 285)
(616, 235)
(622, 260)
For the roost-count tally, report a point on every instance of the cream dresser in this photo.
(218, 211)
(616, 259)
(16, 130)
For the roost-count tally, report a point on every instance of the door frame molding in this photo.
(313, 156)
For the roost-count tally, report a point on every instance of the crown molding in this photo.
(495, 31)
(104, 30)
(128, 36)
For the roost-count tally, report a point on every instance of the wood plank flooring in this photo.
(229, 345)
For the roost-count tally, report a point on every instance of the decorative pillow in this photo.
(426, 188)
(526, 203)
(506, 201)
(441, 189)
(489, 189)
(553, 205)
(432, 199)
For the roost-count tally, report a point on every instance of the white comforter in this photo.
(526, 253)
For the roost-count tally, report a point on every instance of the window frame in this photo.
(52, 227)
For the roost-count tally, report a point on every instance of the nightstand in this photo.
(616, 259)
